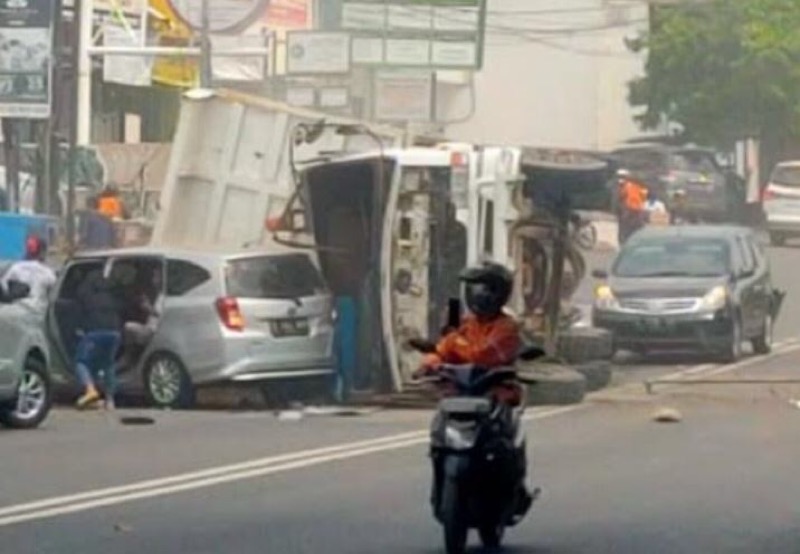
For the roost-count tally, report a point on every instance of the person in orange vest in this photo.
(633, 215)
(110, 204)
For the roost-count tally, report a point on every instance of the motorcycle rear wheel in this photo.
(454, 517)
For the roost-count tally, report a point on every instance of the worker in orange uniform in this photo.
(633, 215)
(110, 204)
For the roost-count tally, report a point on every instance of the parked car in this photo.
(249, 317)
(781, 201)
(689, 287)
(711, 193)
(25, 385)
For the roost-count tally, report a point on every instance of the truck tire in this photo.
(556, 385)
(589, 344)
(598, 374)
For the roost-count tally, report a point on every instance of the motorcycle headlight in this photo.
(604, 298)
(715, 299)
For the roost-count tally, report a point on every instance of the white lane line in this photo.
(211, 472)
(63, 505)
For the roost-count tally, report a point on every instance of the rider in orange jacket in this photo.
(487, 337)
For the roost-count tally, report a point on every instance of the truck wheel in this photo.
(454, 518)
(557, 385)
(580, 345)
(598, 374)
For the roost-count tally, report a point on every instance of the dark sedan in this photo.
(704, 288)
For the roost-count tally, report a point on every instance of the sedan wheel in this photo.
(166, 382)
(763, 343)
(34, 398)
(733, 351)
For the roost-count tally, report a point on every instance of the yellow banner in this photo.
(172, 70)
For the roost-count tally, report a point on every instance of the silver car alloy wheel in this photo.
(165, 381)
(32, 396)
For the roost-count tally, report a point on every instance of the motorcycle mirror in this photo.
(422, 346)
(531, 353)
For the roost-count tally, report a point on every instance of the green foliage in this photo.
(724, 69)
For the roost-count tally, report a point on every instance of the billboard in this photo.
(26, 46)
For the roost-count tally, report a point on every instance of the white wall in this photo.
(552, 88)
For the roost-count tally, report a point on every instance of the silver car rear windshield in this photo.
(284, 276)
(786, 176)
(662, 257)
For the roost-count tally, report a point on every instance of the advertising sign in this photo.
(317, 53)
(26, 46)
(436, 34)
(403, 95)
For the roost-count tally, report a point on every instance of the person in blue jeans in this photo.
(100, 337)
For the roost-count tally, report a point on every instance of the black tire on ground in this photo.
(762, 344)
(491, 535)
(454, 521)
(733, 350)
(598, 374)
(35, 406)
(557, 385)
(580, 345)
(777, 239)
(167, 383)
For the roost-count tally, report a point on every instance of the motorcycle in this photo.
(478, 454)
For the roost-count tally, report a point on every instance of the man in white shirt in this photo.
(33, 273)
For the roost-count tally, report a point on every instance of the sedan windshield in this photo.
(674, 257)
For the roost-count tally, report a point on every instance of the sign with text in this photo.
(435, 34)
(403, 95)
(26, 46)
(317, 53)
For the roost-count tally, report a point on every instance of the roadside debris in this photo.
(122, 528)
(667, 415)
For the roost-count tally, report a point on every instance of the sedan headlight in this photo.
(715, 299)
(604, 298)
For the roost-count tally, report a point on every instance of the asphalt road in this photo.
(724, 479)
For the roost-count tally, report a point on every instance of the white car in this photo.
(781, 200)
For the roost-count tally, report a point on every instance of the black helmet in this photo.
(487, 288)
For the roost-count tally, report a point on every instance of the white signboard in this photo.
(133, 71)
(315, 53)
(224, 16)
(408, 52)
(334, 97)
(456, 18)
(363, 16)
(303, 97)
(403, 95)
(411, 17)
(454, 54)
(368, 50)
(241, 68)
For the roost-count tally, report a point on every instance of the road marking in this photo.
(89, 500)
(63, 505)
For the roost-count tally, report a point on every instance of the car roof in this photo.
(200, 256)
(692, 232)
(789, 163)
(659, 147)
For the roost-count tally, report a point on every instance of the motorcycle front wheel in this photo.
(454, 517)
(491, 535)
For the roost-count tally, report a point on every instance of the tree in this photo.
(724, 70)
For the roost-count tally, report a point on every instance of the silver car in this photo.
(25, 387)
(782, 202)
(249, 317)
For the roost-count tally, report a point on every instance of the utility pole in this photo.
(205, 48)
(78, 114)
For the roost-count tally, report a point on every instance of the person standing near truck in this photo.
(632, 216)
